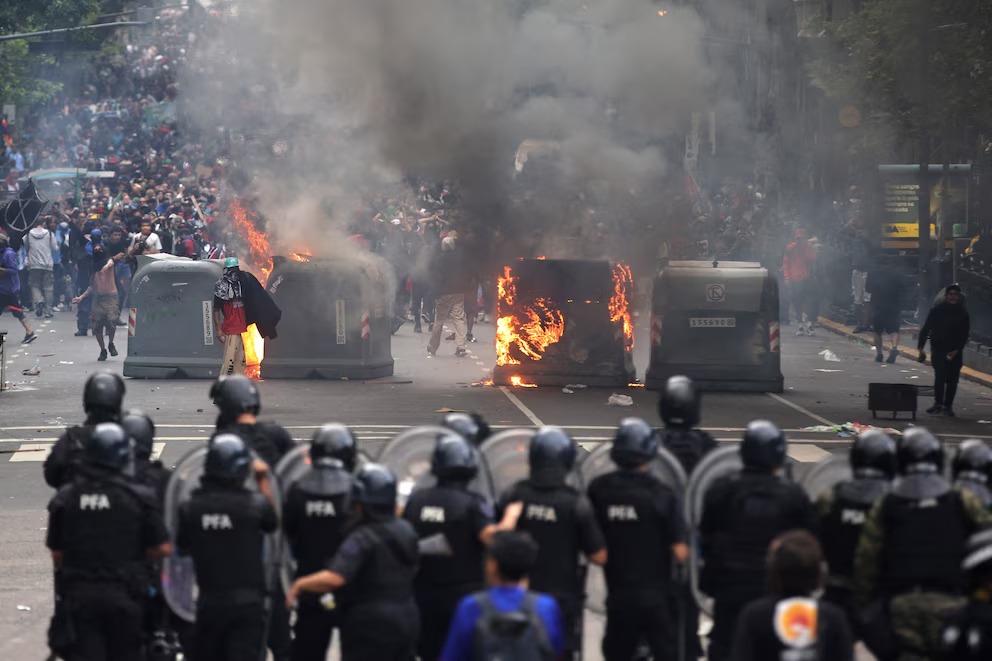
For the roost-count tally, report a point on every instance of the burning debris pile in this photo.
(558, 320)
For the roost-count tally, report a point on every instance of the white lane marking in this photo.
(38, 452)
(807, 454)
(796, 407)
(520, 405)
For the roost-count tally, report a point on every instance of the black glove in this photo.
(923, 356)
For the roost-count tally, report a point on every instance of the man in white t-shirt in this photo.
(146, 243)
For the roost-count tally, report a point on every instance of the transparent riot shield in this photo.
(825, 475)
(506, 455)
(720, 463)
(665, 467)
(294, 465)
(178, 576)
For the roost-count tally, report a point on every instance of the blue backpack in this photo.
(517, 635)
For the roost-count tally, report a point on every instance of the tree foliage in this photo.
(913, 65)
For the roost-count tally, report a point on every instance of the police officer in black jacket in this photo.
(372, 575)
(454, 525)
(742, 514)
(844, 508)
(471, 426)
(645, 532)
(314, 516)
(972, 470)
(679, 408)
(102, 529)
(562, 522)
(149, 472)
(103, 396)
(223, 527)
(239, 402)
(967, 633)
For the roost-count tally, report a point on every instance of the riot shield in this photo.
(409, 457)
(825, 475)
(178, 575)
(665, 467)
(719, 463)
(288, 471)
(506, 455)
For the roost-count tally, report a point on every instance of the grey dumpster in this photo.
(170, 321)
(336, 322)
(718, 325)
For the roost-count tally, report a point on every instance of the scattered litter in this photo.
(820, 369)
(34, 371)
(22, 607)
(985, 422)
(578, 386)
(914, 377)
(66, 362)
(568, 391)
(47, 355)
(199, 410)
(620, 400)
(829, 356)
(849, 428)
(447, 410)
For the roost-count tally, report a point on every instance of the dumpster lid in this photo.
(704, 264)
(699, 286)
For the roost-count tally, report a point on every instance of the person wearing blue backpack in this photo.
(507, 621)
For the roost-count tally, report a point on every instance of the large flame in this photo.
(529, 328)
(623, 290)
(259, 262)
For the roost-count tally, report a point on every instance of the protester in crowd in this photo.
(10, 287)
(798, 266)
(884, 285)
(947, 327)
(105, 311)
(451, 297)
(41, 247)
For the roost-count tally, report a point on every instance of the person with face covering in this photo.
(105, 311)
(229, 318)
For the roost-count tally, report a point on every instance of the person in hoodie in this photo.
(41, 247)
(10, 287)
(947, 327)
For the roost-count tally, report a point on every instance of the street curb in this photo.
(968, 373)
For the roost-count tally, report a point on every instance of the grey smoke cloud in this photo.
(366, 92)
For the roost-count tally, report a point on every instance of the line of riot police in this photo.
(386, 552)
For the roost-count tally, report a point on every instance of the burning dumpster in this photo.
(718, 324)
(170, 320)
(564, 321)
(336, 319)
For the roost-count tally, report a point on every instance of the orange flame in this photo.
(260, 263)
(529, 328)
(518, 382)
(634, 384)
(299, 257)
(623, 289)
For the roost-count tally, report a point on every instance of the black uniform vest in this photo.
(387, 574)
(841, 528)
(322, 508)
(454, 513)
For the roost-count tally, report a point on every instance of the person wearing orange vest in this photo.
(797, 268)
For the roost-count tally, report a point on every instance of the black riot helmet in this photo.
(107, 446)
(919, 451)
(235, 395)
(973, 461)
(472, 427)
(634, 444)
(103, 395)
(551, 447)
(873, 454)
(454, 458)
(228, 459)
(375, 487)
(679, 403)
(141, 429)
(333, 443)
(763, 445)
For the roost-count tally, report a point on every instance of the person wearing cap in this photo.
(947, 327)
(230, 319)
(10, 287)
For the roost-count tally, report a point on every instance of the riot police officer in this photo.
(454, 525)
(742, 514)
(314, 516)
(472, 426)
(679, 408)
(645, 532)
(101, 529)
(843, 510)
(141, 429)
(103, 396)
(372, 574)
(562, 522)
(967, 633)
(239, 402)
(223, 526)
(972, 470)
(908, 560)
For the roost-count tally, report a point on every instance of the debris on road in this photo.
(22, 607)
(849, 428)
(829, 356)
(568, 391)
(578, 386)
(826, 371)
(620, 400)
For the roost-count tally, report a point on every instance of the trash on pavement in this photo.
(22, 607)
(829, 356)
(66, 362)
(576, 386)
(985, 422)
(620, 400)
(850, 428)
(825, 371)
(568, 391)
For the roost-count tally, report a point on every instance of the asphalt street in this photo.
(34, 409)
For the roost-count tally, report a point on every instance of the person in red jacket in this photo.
(797, 268)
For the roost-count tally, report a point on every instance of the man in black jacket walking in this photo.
(947, 327)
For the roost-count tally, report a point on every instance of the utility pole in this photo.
(923, 194)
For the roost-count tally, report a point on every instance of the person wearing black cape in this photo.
(239, 301)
